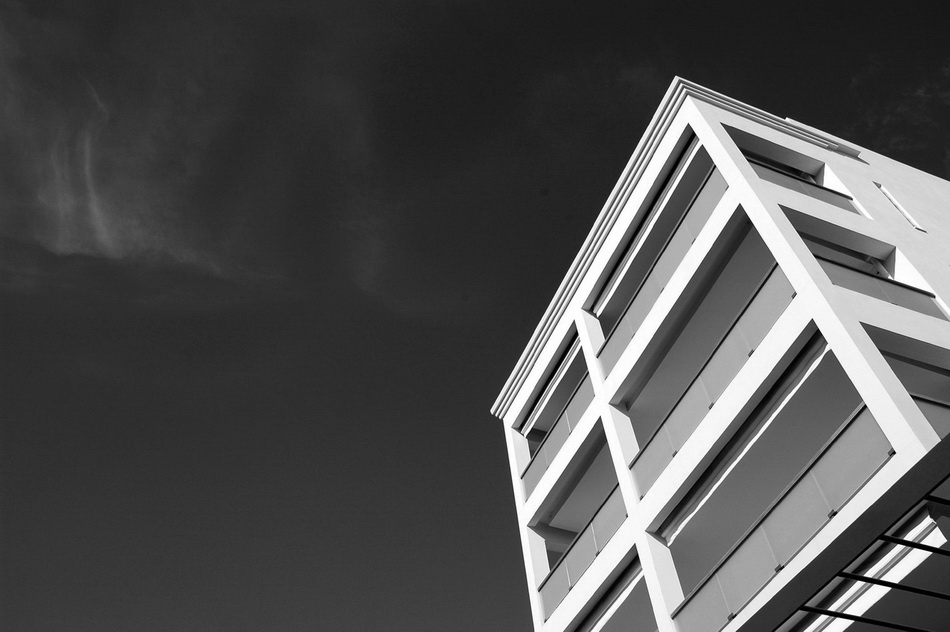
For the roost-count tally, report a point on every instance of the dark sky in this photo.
(264, 266)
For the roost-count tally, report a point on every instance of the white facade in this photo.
(735, 404)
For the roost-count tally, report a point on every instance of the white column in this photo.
(663, 583)
(532, 546)
(618, 430)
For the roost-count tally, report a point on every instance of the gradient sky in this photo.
(264, 266)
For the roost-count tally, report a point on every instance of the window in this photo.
(899, 207)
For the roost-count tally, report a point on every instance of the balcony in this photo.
(937, 413)
(557, 435)
(798, 460)
(928, 385)
(630, 610)
(805, 185)
(581, 552)
(732, 353)
(814, 499)
(653, 261)
(743, 297)
(881, 288)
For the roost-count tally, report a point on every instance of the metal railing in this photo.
(581, 552)
(659, 274)
(554, 440)
(837, 472)
(734, 350)
(811, 189)
(881, 288)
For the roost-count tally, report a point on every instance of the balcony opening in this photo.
(864, 265)
(805, 451)
(625, 605)
(929, 386)
(741, 304)
(676, 218)
(924, 371)
(560, 406)
(791, 170)
(583, 512)
(844, 256)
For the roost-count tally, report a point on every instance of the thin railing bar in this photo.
(935, 499)
(916, 507)
(860, 619)
(895, 585)
(914, 545)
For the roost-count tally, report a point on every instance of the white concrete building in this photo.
(731, 416)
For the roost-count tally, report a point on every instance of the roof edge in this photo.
(680, 89)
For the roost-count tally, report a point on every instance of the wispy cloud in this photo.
(76, 219)
(102, 144)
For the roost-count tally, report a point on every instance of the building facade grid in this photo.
(748, 277)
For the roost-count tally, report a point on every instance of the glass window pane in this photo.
(705, 202)
(652, 461)
(580, 402)
(706, 610)
(612, 350)
(795, 519)
(672, 256)
(580, 556)
(556, 438)
(684, 419)
(725, 363)
(534, 472)
(851, 459)
(768, 305)
(554, 590)
(637, 311)
(937, 414)
(608, 519)
(747, 569)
